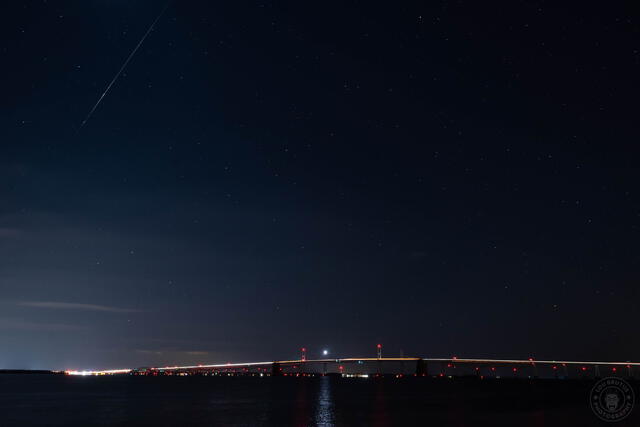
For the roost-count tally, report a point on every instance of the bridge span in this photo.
(396, 366)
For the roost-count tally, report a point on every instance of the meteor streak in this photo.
(123, 67)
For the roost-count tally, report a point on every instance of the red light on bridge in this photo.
(614, 369)
(515, 369)
(555, 367)
(379, 346)
(584, 368)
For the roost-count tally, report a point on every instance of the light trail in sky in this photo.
(133, 52)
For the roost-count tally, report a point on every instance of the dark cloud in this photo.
(9, 232)
(25, 325)
(75, 306)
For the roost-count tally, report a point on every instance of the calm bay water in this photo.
(35, 400)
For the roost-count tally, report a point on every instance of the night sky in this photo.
(446, 178)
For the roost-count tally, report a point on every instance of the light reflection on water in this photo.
(378, 413)
(325, 406)
(36, 400)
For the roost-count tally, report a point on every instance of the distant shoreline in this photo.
(29, 371)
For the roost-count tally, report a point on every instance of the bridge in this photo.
(398, 367)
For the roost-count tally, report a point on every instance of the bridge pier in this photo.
(421, 368)
(276, 370)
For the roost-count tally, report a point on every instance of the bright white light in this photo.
(325, 352)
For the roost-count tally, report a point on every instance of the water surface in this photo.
(35, 400)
